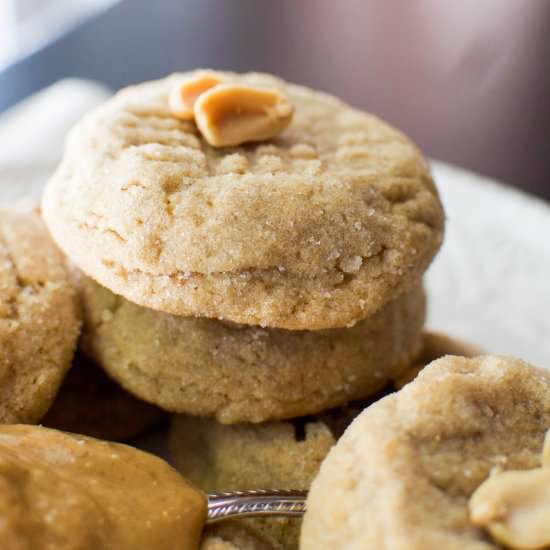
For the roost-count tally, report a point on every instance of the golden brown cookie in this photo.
(285, 454)
(317, 228)
(240, 373)
(39, 318)
(402, 474)
(281, 455)
(90, 403)
(69, 492)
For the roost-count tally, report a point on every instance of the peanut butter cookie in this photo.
(402, 474)
(90, 403)
(39, 318)
(285, 454)
(240, 373)
(316, 228)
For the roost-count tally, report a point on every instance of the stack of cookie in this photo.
(245, 260)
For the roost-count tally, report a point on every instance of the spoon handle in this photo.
(240, 504)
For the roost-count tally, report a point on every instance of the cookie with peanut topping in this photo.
(240, 373)
(284, 454)
(39, 318)
(315, 227)
(402, 474)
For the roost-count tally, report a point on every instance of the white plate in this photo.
(490, 283)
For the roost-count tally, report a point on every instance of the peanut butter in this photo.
(66, 491)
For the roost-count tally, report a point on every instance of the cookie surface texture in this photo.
(402, 474)
(317, 228)
(239, 373)
(39, 318)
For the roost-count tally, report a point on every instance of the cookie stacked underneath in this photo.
(250, 283)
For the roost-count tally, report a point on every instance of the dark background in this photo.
(469, 81)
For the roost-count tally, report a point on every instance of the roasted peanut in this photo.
(232, 114)
(183, 96)
(514, 506)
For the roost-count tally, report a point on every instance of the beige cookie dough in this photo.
(65, 491)
(92, 404)
(239, 373)
(39, 318)
(402, 474)
(317, 228)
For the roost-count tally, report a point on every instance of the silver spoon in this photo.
(257, 503)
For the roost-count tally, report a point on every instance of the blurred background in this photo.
(469, 81)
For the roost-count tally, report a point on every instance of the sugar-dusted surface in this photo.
(402, 474)
(39, 318)
(315, 229)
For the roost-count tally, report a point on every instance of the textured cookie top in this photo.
(39, 318)
(402, 474)
(316, 228)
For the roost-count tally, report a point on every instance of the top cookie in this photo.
(402, 474)
(317, 228)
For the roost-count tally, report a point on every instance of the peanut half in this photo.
(232, 114)
(514, 506)
(185, 94)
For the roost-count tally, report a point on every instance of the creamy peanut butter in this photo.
(65, 491)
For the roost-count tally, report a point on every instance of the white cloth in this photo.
(490, 284)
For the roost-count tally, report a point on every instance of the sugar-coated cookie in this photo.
(39, 318)
(403, 472)
(317, 228)
(240, 373)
